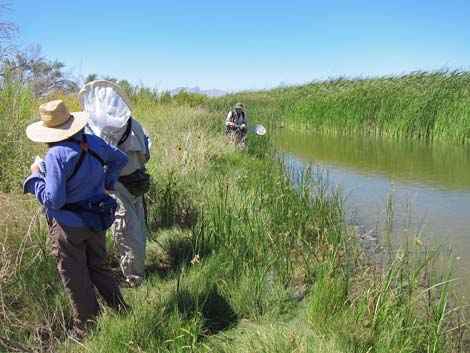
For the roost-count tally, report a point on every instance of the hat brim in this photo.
(38, 132)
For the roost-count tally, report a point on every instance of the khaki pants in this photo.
(80, 255)
(130, 233)
(237, 138)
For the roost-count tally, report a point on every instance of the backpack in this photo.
(98, 211)
(138, 182)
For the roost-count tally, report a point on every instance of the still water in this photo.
(428, 183)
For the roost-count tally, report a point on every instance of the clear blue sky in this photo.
(243, 44)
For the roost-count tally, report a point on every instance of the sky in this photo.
(245, 45)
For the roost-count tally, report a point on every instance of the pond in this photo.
(429, 185)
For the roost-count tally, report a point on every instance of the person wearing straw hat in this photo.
(110, 118)
(78, 168)
(236, 125)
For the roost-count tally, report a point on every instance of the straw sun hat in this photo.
(56, 124)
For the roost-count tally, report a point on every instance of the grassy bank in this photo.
(240, 260)
(427, 106)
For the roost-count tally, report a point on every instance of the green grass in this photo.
(242, 259)
(16, 108)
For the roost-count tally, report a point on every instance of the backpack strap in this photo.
(85, 150)
(126, 133)
(232, 117)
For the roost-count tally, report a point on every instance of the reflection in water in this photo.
(429, 184)
(437, 165)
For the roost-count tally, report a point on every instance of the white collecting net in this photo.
(109, 109)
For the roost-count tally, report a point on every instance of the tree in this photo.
(126, 87)
(8, 31)
(111, 79)
(41, 75)
(90, 78)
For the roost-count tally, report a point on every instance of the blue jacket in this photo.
(54, 191)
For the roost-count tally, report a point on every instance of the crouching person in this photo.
(71, 184)
(110, 117)
(236, 126)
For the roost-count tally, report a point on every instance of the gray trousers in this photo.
(81, 261)
(130, 233)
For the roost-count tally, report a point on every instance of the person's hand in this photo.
(34, 168)
(231, 124)
(243, 126)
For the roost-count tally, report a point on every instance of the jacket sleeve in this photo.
(115, 161)
(51, 189)
(229, 117)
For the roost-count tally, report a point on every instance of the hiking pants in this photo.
(129, 233)
(80, 255)
(237, 137)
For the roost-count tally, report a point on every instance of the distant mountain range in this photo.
(206, 92)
